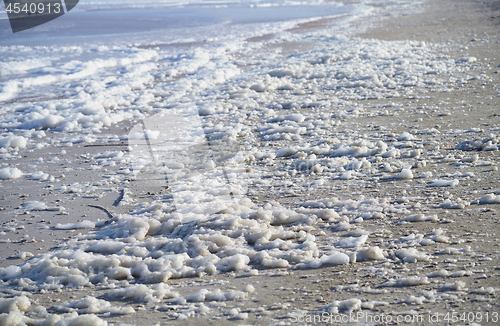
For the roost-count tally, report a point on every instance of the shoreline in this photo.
(281, 295)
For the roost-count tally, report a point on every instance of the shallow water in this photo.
(78, 42)
(96, 24)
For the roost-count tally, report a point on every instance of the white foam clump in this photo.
(351, 242)
(357, 233)
(439, 273)
(10, 173)
(426, 174)
(50, 121)
(411, 255)
(41, 176)
(413, 300)
(86, 224)
(34, 206)
(233, 263)
(21, 303)
(297, 117)
(454, 251)
(239, 316)
(337, 258)
(207, 110)
(457, 286)
(391, 153)
(406, 281)
(92, 305)
(326, 214)
(461, 274)
(23, 255)
(143, 293)
(370, 253)
(346, 175)
(11, 271)
(373, 304)
(39, 206)
(332, 259)
(212, 247)
(471, 159)
(13, 142)
(406, 136)
(420, 218)
(406, 173)
(11, 310)
(444, 183)
(489, 199)
(344, 306)
(12, 314)
(147, 134)
(284, 152)
(466, 60)
(448, 204)
(205, 295)
(87, 320)
(482, 290)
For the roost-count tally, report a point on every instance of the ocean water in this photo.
(99, 32)
(115, 21)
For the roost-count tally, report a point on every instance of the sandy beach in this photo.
(382, 211)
